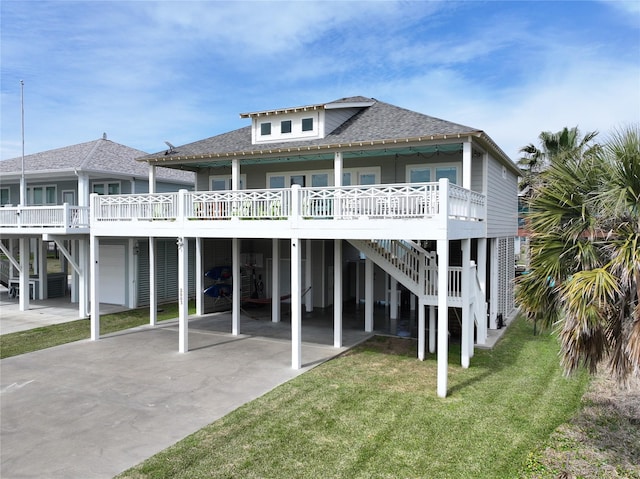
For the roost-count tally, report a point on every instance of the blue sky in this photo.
(145, 72)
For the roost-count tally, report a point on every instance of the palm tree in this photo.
(585, 255)
(553, 147)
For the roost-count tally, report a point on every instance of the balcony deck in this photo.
(37, 220)
(397, 211)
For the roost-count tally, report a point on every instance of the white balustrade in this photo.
(61, 216)
(415, 200)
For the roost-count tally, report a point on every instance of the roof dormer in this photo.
(302, 123)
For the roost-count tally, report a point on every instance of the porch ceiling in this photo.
(427, 151)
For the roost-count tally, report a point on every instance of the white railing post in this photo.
(93, 208)
(65, 215)
(182, 205)
(295, 204)
(443, 199)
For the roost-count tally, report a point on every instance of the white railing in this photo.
(63, 216)
(415, 200)
(154, 206)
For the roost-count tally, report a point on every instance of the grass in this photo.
(373, 412)
(21, 342)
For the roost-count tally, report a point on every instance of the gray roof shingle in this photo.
(380, 121)
(97, 157)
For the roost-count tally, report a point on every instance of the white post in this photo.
(24, 274)
(83, 190)
(421, 329)
(275, 281)
(493, 284)
(199, 279)
(152, 178)
(42, 269)
(235, 174)
(393, 300)
(308, 297)
(84, 262)
(337, 293)
(183, 294)
(75, 246)
(432, 329)
(94, 254)
(443, 316)
(235, 295)
(153, 285)
(467, 318)
(296, 305)
(482, 279)
(368, 295)
(466, 165)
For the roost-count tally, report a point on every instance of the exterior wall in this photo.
(477, 174)
(334, 118)
(502, 200)
(166, 270)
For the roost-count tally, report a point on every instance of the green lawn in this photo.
(35, 339)
(373, 413)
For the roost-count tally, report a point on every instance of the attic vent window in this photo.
(307, 124)
(285, 126)
(265, 129)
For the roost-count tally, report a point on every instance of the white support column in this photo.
(337, 168)
(235, 174)
(493, 284)
(74, 245)
(24, 274)
(153, 285)
(308, 297)
(235, 295)
(467, 319)
(337, 293)
(84, 192)
(132, 253)
(443, 316)
(421, 329)
(94, 254)
(275, 281)
(296, 304)
(368, 295)
(466, 165)
(393, 300)
(41, 251)
(183, 294)
(432, 329)
(152, 178)
(482, 279)
(83, 275)
(199, 279)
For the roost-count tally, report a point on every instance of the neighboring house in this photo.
(303, 196)
(58, 185)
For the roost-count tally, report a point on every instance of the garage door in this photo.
(113, 274)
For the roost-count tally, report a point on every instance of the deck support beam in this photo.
(296, 304)
(275, 281)
(183, 294)
(24, 274)
(368, 295)
(235, 295)
(153, 285)
(421, 329)
(443, 316)
(467, 319)
(432, 329)
(482, 279)
(308, 297)
(337, 293)
(94, 254)
(199, 278)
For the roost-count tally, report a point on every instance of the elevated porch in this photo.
(66, 219)
(392, 211)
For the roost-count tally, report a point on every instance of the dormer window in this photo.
(265, 129)
(307, 124)
(285, 126)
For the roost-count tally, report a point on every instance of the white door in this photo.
(113, 273)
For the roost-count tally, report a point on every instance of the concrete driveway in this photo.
(93, 409)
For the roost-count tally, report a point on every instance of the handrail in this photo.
(58, 216)
(403, 200)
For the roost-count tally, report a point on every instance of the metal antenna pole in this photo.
(23, 184)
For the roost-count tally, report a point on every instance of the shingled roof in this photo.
(97, 157)
(380, 121)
